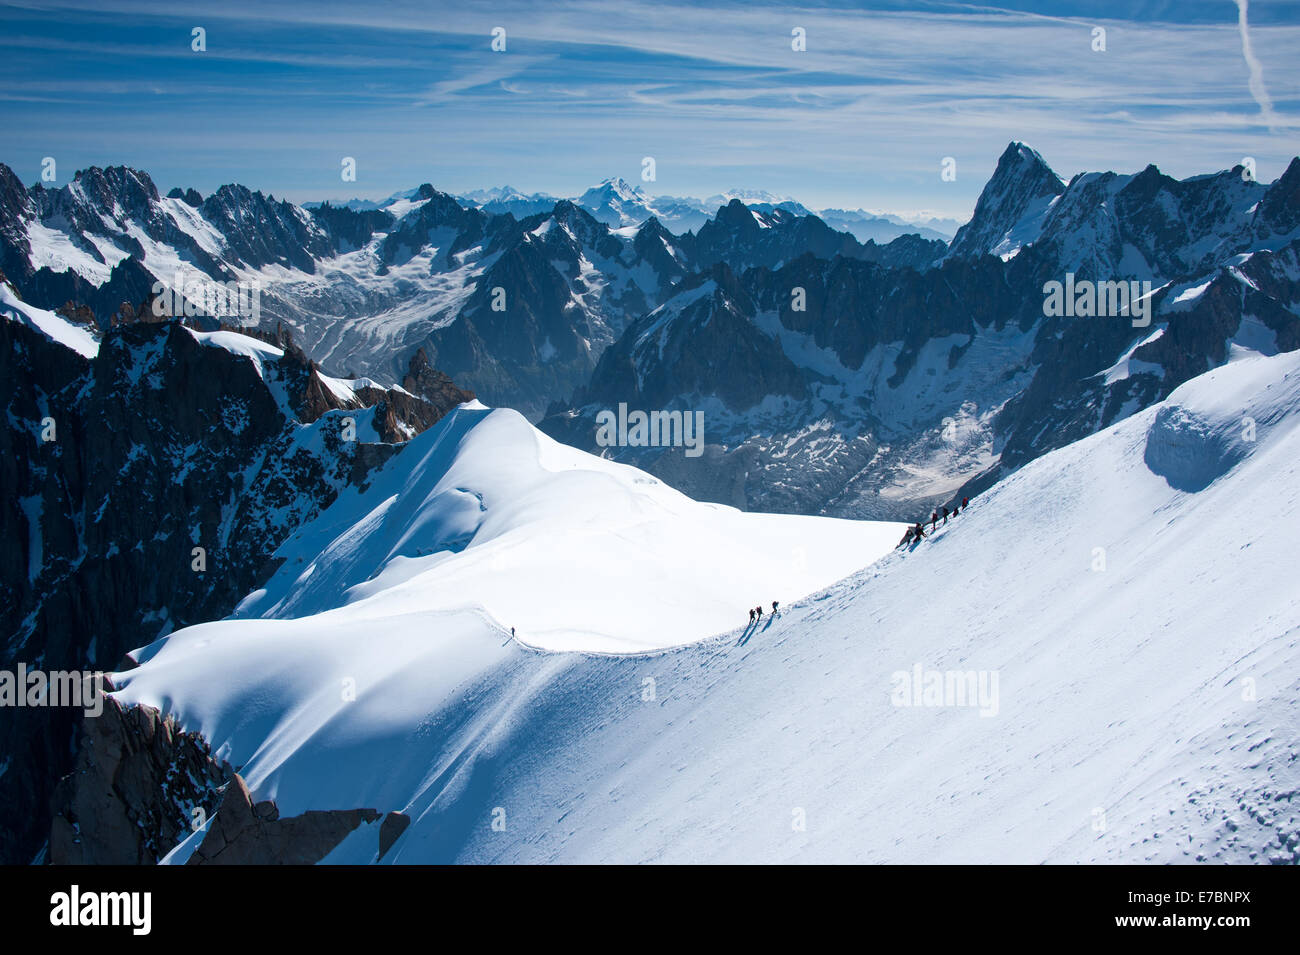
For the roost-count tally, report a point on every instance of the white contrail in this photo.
(1257, 88)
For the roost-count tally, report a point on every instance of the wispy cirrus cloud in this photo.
(713, 91)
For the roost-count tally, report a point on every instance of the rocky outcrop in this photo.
(138, 787)
(351, 229)
(191, 197)
(395, 823)
(260, 231)
(248, 833)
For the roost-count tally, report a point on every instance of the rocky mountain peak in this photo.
(1021, 186)
(132, 189)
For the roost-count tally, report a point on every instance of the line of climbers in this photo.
(917, 533)
(757, 612)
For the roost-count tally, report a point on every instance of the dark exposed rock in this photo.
(261, 231)
(351, 229)
(391, 830)
(1049, 385)
(191, 197)
(244, 833)
(138, 786)
(440, 212)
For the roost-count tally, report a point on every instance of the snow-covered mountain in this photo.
(1112, 706)
(619, 204)
(836, 386)
(1011, 207)
(503, 199)
(616, 203)
(364, 698)
(362, 290)
(1145, 225)
(934, 368)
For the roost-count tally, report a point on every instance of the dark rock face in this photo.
(1278, 213)
(244, 833)
(395, 823)
(191, 197)
(138, 786)
(97, 197)
(741, 237)
(261, 231)
(525, 342)
(724, 348)
(350, 229)
(16, 209)
(709, 346)
(1147, 226)
(1068, 400)
(907, 251)
(174, 471)
(745, 238)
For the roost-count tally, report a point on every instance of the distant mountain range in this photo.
(362, 290)
(619, 204)
(898, 374)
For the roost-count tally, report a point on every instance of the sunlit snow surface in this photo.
(54, 327)
(1133, 592)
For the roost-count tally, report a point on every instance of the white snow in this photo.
(53, 326)
(55, 250)
(400, 208)
(1190, 293)
(343, 390)
(485, 512)
(1127, 365)
(1131, 592)
(253, 349)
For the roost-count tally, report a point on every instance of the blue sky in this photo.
(585, 90)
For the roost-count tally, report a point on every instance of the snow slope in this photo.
(53, 326)
(575, 552)
(1130, 594)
